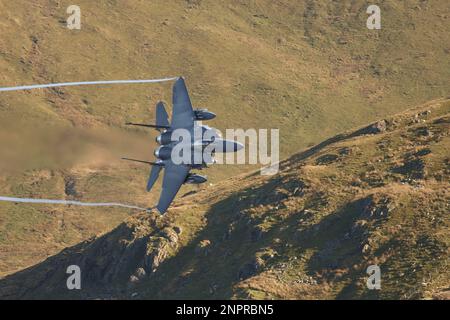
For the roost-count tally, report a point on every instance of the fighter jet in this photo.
(194, 152)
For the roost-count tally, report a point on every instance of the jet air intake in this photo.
(164, 138)
(163, 153)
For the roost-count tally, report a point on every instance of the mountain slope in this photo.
(310, 68)
(377, 195)
(304, 66)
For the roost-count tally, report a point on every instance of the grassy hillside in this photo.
(310, 68)
(377, 195)
(302, 66)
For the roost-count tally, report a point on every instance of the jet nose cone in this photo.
(211, 115)
(227, 145)
(238, 146)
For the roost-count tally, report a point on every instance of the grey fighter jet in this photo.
(198, 144)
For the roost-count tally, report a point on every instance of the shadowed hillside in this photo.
(377, 195)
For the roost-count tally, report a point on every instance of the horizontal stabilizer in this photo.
(154, 174)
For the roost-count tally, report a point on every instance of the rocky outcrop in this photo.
(377, 208)
(110, 264)
(374, 128)
(251, 268)
(203, 248)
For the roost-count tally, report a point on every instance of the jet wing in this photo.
(174, 177)
(183, 114)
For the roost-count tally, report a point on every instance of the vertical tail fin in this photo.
(162, 119)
